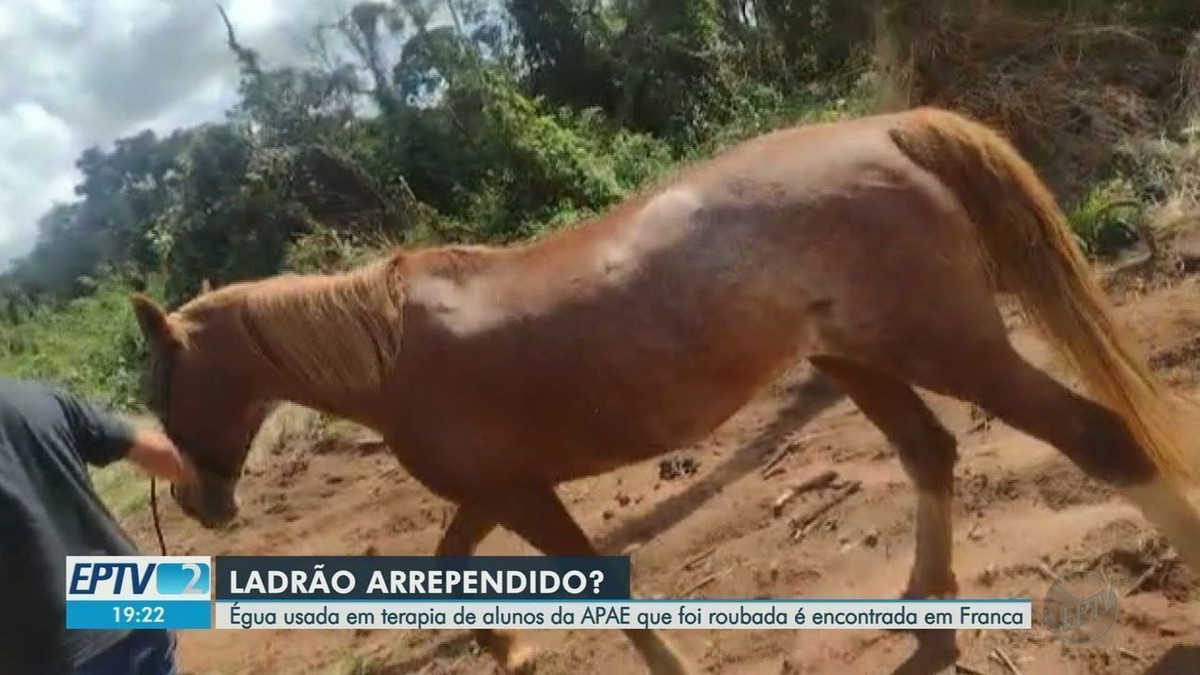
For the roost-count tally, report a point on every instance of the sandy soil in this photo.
(1021, 510)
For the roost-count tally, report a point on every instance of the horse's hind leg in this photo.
(469, 527)
(1093, 437)
(537, 515)
(927, 451)
(1096, 439)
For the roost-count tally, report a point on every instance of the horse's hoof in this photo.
(947, 590)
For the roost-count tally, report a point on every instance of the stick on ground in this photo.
(815, 483)
(1141, 581)
(697, 559)
(800, 525)
(1000, 656)
(778, 457)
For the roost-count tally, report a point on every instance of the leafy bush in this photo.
(1104, 221)
(90, 346)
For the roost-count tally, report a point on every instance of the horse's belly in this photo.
(569, 426)
(681, 405)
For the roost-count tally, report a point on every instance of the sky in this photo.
(78, 73)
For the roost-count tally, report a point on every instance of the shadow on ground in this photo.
(806, 399)
(1179, 660)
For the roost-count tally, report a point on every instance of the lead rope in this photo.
(162, 543)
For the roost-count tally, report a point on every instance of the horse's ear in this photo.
(152, 319)
(205, 286)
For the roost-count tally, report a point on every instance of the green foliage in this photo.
(1104, 220)
(329, 251)
(89, 346)
(547, 162)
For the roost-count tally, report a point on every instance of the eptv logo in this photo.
(139, 578)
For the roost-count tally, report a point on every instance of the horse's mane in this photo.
(333, 332)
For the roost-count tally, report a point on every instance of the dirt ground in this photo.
(702, 525)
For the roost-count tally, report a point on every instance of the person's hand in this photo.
(154, 452)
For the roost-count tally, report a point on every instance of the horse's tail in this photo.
(1031, 252)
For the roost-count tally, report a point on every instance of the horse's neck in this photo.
(324, 342)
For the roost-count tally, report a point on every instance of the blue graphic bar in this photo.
(125, 614)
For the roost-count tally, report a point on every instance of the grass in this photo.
(124, 488)
(87, 346)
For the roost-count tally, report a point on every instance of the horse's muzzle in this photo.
(213, 507)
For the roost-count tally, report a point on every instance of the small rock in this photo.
(871, 539)
(988, 576)
(607, 515)
(371, 550)
(623, 499)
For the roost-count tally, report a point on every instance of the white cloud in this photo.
(86, 72)
(37, 150)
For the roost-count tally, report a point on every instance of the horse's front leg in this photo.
(536, 514)
(469, 527)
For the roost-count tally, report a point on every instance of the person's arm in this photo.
(102, 438)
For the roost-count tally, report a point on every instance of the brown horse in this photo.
(874, 248)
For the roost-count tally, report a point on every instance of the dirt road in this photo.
(703, 525)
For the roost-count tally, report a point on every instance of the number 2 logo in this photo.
(191, 584)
